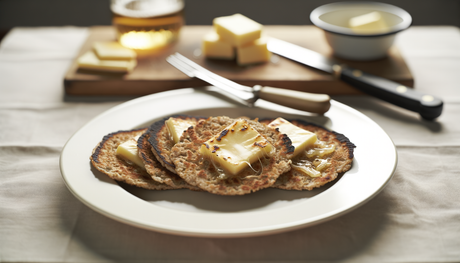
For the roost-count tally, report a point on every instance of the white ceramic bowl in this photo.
(349, 44)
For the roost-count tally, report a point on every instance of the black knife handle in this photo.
(428, 106)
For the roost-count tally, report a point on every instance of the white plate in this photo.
(188, 213)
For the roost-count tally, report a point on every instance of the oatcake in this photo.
(161, 141)
(340, 160)
(155, 169)
(203, 173)
(104, 159)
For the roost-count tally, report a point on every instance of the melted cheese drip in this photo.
(236, 147)
(300, 138)
(315, 160)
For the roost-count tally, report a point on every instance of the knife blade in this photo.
(315, 103)
(428, 106)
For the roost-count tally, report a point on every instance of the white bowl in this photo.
(347, 43)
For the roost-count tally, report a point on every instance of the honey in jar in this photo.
(147, 24)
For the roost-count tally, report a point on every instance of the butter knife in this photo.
(311, 102)
(428, 106)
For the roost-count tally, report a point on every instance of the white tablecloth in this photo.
(416, 218)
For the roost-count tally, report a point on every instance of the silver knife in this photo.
(315, 103)
(428, 106)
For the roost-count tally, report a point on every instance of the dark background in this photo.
(31, 13)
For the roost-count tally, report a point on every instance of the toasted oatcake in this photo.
(340, 159)
(200, 171)
(161, 141)
(105, 160)
(156, 170)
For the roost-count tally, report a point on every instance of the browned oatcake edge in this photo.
(341, 159)
(104, 159)
(156, 170)
(161, 141)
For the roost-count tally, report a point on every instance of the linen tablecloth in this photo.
(416, 218)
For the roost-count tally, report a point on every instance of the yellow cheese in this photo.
(368, 23)
(255, 52)
(113, 51)
(236, 147)
(129, 151)
(317, 159)
(90, 61)
(300, 138)
(177, 126)
(320, 150)
(307, 170)
(237, 29)
(214, 47)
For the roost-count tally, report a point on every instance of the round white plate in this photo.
(189, 213)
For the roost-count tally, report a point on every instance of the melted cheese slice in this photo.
(113, 51)
(237, 29)
(129, 151)
(301, 139)
(368, 23)
(236, 147)
(89, 60)
(177, 126)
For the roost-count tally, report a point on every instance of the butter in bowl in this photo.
(360, 30)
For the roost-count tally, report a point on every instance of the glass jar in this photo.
(147, 24)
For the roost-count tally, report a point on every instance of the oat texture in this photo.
(161, 141)
(105, 160)
(156, 170)
(200, 171)
(340, 160)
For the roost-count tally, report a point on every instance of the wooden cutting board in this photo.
(153, 74)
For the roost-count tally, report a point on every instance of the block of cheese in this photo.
(300, 138)
(254, 52)
(129, 151)
(113, 51)
(177, 126)
(237, 29)
(89, 60)
(214, 47)
(369, 23)
(236, 147)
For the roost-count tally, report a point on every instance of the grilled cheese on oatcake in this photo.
(155, 169)
(196, 156)
(320, 163)
(205, 173)
(164, 133)
(104, 158)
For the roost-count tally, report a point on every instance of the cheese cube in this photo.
(129, 151)
(89, 60)
(177, 126)
(300, 138)
(236, 147)
(214, 47)
(113, 51)
(368, 23)
(237, 29)
(255, 52)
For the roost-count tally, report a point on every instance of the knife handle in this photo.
(428, 106)
(311, 102)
